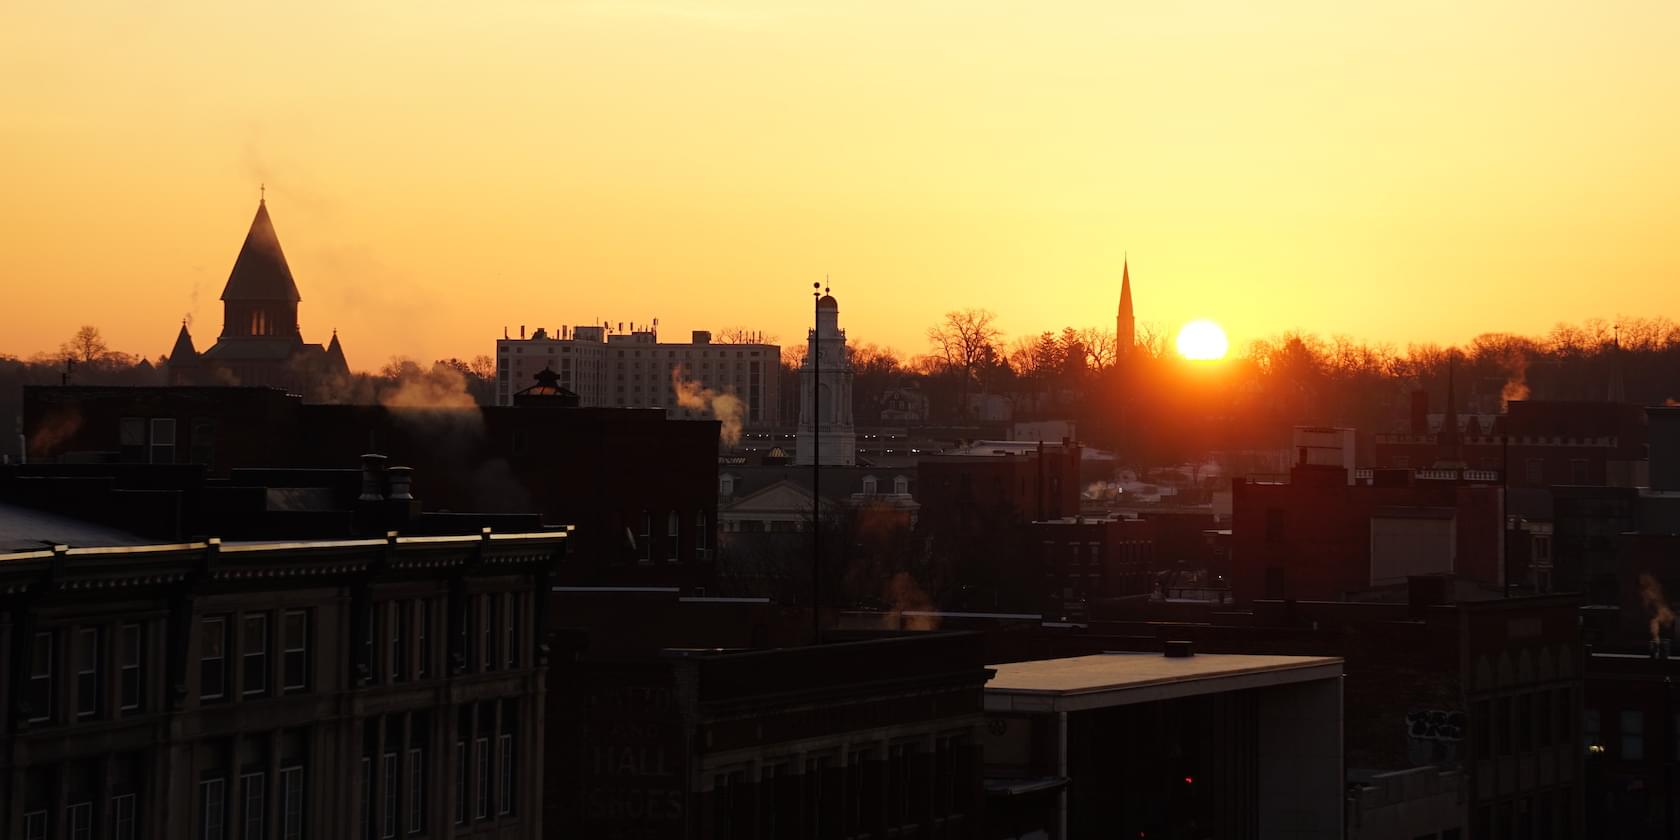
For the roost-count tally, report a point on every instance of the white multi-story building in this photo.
(826, 435)
(633, 369)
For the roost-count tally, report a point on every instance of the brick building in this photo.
(1539, 443)
(1085, 559)
(640, 489)
(365, 687)
(860, 739)
(1320, 538)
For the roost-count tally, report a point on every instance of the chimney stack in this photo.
(373, 478)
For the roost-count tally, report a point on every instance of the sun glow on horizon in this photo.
(1202, 340)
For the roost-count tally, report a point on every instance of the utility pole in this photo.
(816, 464)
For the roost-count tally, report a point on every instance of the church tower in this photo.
(827, 373)
(1125, 324)
(261, 299)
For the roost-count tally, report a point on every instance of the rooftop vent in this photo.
(1179, 650)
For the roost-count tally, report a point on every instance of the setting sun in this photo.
(1202, 340)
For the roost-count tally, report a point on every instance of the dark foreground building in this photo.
(1183, 745)
(860, 739)
(350, 688)
(640, 489)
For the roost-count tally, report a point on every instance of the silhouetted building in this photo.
(861, 739)
(634, 369)
(365, 687)
(1319, 538)
(1182, 745)
(260, 343)
(1631, 737)
(1090, 558)
(1536, 443)
(826, 433)
(641, 489)
(1036, 482)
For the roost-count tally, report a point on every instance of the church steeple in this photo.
(1125, 324)
(260, 299)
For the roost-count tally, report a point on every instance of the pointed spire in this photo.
(335, 354)
(1125, 323)
(260, 272)
(183, 351)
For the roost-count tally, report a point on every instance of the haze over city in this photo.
(1406, 173)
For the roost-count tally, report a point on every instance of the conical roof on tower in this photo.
(260, 272)
(335, 354)
(1126, 289)
(183, 350)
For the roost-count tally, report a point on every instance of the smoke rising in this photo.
(436, 410)
(1516, 380)
(904, 594)
(726, 407)
(1651, 595)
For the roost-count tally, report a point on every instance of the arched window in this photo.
(673, 535)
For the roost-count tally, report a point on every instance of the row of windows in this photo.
(100, 798)
(1523, 722)
(671, 544)
(400, 641)
(816, 795)
(1630, 741)
(90, 690)
(256, 811)
(251, 638)
(152, 440)
(1548, 815)
(637, 354)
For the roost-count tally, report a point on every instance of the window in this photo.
(1535, 470)
(203, 440)
(35, 825)
(163, 440)
(1633, 735)
(41, 677)
(869, 485)
(1525, 723)
(80, 819)
(673, 536)
(1590, 730)
(294, 650)
(131, 438)
(212, 809)
(900, 784)
(212, 661)
(129, 652)
(123, 818)
(644, 542)
(87, 672)
(700, 536)
(901, 485)
(254, 654)
(859, 797)
(482, 798)
(388, 797)
(291, 803)
(416, 791)
(1578, 471)
(367, 797)
(251, 789)
(1502, 725)
(396, 633)
(460, 782)
(423, 639)
(491, 632)
(505, 780)
(726, 485)
(510, 628)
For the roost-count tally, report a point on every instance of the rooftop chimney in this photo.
(373, 478)
(702, 337)
(402, 482)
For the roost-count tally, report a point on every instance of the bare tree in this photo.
(965, 341)
(742, 335)
(483, 367)
(87, 346)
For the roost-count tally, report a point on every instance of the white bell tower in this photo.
(827, 373)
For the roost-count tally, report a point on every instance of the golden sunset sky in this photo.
(1418, 171)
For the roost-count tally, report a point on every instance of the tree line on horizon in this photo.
(1146, 403)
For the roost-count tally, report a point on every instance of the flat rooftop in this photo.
(1118, 679)
(27, 529)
